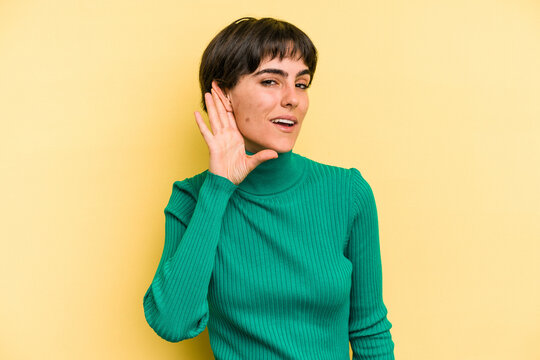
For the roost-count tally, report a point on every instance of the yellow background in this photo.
(436, 102)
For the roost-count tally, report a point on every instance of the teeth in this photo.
(285, 121)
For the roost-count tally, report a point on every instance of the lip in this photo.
(285, 128)
(286, 117)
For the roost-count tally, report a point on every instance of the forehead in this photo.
(294, 64)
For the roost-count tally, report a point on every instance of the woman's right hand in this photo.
(226, 144)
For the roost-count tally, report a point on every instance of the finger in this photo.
(207, 135)
(226, 102)
(220, 109)
(213, 116)
(232, 120)
(260, 157)
(226, 105)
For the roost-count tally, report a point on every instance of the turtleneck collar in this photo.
(275, 175)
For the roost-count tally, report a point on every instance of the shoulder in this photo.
(358, 183)
(349, 177)
(196, 181)
(347, 180)
(363, 200)
(323, 171)
(186, 191)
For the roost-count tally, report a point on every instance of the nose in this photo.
(289, 96)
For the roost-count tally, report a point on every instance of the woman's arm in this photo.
(175, 304)
(369, 328)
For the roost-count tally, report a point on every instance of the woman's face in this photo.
(276, 90)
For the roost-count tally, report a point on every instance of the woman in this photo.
(278, 254)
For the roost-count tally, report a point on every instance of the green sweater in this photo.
(285, 265)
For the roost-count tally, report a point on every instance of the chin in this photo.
(282, 148)
(279, 146)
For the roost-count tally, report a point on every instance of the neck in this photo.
(275, 175)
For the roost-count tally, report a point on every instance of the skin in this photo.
(240, 117)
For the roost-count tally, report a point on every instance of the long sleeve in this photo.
(369, 328)
(175, 304)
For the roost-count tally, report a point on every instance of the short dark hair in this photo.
(239, 49)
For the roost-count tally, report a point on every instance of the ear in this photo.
(224, 98)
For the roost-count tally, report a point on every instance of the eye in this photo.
(268, 82)
(302, 86)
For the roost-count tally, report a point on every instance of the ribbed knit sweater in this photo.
(285, 265)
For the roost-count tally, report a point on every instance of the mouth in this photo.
(285, 124)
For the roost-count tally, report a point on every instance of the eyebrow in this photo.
(280, 72)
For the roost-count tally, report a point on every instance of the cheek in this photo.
(305, 104)
(253, 107)
(244, 111)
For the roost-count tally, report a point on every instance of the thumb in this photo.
(261, 157)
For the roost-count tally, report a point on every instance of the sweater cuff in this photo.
(219, 183)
